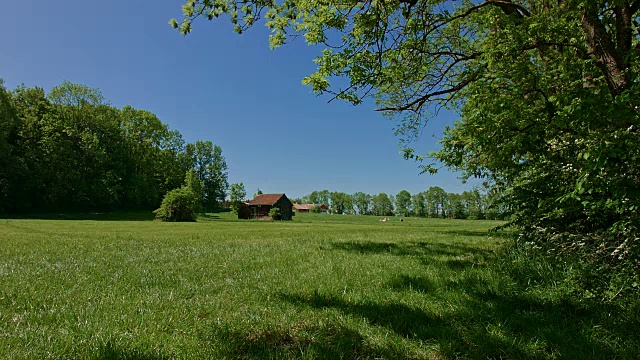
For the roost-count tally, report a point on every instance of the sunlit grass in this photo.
(320, 286)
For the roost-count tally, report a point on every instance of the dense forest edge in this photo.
(69, 150)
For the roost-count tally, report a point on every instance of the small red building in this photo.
(307, 207)
(260, 207)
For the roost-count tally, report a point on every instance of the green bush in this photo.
(275, 213)
(178, 205)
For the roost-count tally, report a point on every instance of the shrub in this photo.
(275, 213)
(178, 205)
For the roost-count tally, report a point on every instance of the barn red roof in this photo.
(303, 206)
(266, 199)
(309, 206)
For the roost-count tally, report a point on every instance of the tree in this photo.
(457, 208)
(547, 94)
(474, 204)
(341, 203)
(8, 128)
(436, 199)
(319, 197)
(403, 203)
(27, 159)
(362, 202)
(211, 168)
(419, 204)
(237, 194)
(196, 186)
(381, 205)
(157, 161)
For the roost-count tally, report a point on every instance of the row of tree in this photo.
(435, 202)
(71, 150)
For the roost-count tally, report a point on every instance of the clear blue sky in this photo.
(215, 85)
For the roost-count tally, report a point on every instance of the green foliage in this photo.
(211, 167)
(561, 137)
(436, 199)
(178, 205)
(196, 186)
(275, 213)
(8, 127)
(71, 150)
(403, 203)
(362, 202)
(474, 203)
(158, 160)
(341, 203)
(381, 205)
(237, 194)
(419, 204)
(457, 208)
(318, 197)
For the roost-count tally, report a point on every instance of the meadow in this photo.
(119, 286)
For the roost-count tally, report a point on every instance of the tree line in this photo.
(434, 202)
(70, 150)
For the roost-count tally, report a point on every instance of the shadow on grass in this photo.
(488, 325)
(208, 217)
(329, 341)
(511, 317)
(453, 256)
(412, 283)
(409, 248)
(114, 352)
(477, 233)
(95, 216)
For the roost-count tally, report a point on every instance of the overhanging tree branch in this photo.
(416, 104)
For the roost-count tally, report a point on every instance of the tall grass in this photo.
(318, 287)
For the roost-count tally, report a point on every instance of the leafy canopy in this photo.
(237, 195)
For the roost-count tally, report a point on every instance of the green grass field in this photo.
(320, 286)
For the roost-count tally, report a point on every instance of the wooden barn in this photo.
(259, 207)
(307, 207)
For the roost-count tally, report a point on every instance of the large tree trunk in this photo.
(612, 55)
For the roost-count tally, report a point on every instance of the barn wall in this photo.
(286, 208)
(244, 212)
(261, 211)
